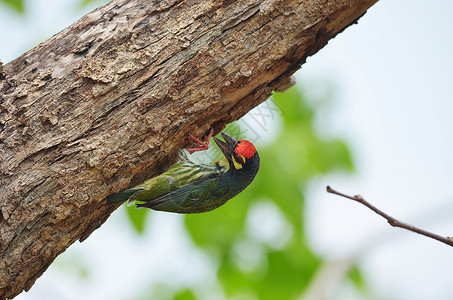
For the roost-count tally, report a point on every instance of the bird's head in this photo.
(240, 156)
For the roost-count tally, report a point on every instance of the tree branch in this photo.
(108, 102)
(392, 221)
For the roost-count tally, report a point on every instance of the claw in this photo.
(201, 145)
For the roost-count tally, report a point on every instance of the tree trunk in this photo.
(108, 102)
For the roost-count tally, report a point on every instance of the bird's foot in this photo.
(201, 145)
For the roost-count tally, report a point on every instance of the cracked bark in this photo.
(108, 102)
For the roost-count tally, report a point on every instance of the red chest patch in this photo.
(245, 148)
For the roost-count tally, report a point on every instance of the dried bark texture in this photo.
(108, 102)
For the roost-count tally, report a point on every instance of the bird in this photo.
(188, 187)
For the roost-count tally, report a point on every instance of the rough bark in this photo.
(108, 102)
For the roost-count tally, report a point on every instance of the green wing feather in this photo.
(185, 197)
(185, 187)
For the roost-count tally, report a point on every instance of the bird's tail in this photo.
(120, 197)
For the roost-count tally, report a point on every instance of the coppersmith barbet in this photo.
(188, 187)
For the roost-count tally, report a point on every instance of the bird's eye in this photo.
(239, 159)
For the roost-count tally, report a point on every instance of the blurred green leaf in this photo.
(85, 3)
(184, 295)
(17, 5)
(356, 276)
(137, 217)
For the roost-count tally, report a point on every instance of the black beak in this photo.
(228, 146)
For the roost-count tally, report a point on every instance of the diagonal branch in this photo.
(392, 221)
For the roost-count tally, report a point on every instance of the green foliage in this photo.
(184, 295)
(251, 263)
(137, 217)
(287, 165)
(17, 5)
(356, 276)
(85, 3)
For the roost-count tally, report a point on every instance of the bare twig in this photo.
(392, 221)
